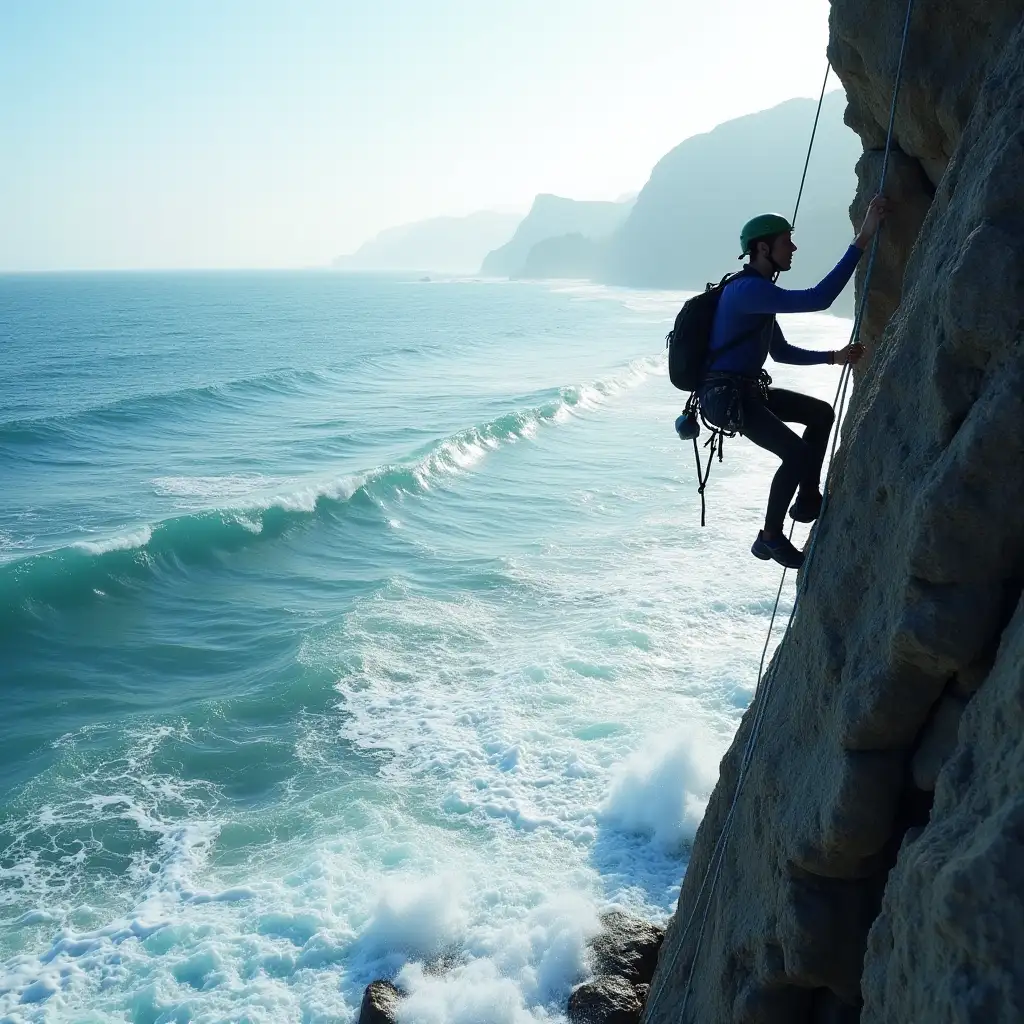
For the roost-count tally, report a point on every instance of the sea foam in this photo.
(662, 789)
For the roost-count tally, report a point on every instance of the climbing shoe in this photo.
(778, 548)
(806, 508)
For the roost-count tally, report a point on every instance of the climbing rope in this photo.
(765, 681)
(810, 145)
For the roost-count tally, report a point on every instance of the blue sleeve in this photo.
(756, 294)
(782, 352)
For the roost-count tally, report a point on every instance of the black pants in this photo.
(762, 420)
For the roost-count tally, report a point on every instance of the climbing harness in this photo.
(729, 425)
(688, 427)
(713, 443)
(765, 681)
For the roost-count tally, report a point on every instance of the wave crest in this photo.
(89, 568)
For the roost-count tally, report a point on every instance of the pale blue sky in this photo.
(247, 133)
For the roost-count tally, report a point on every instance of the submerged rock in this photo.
(608, 999)
(628, 946)
(380, 1003)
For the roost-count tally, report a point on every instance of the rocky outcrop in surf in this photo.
(624, 956)
(872, 870)
(380, 1003)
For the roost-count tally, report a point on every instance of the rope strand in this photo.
(810, 145)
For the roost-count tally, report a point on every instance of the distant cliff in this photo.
(444, 244)
(552, 217)
(572, 255)
(874, 871)
(684, 229)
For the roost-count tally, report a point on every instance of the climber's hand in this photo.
(850, 354)
(877, 210)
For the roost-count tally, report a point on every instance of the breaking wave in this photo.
(143, 409)
(110, 564)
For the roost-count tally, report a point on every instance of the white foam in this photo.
(304, 497)
(466, 995)
(250, 523)
(662, 789)
(129, 541)
(415, 916)
(8, 542)
(521, 971)
(200, 492)
(459, 453)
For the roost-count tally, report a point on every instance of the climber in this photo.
(734, 392)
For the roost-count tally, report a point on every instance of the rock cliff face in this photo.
(875, 866)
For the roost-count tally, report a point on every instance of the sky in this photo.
(142, 134)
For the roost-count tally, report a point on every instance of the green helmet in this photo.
(763, 226)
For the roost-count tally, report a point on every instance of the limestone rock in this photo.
(910, 192)
(380, 1003)
(951, 46)
(946, 945)
(628, 947)
(966, 683)
(917, 568)
(607, 999)
(937, 743)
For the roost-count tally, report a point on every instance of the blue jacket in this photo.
(748, 306)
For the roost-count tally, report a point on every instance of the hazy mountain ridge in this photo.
(563, 256)
(553, 217)
(441, 244)
(682, 229)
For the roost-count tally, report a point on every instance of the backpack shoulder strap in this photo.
(744, 335)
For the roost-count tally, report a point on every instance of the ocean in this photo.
(353, 627)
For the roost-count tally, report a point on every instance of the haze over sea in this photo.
(351, 625)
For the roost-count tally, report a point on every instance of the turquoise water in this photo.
(350, 626)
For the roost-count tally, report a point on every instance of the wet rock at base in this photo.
(380, 1001)
(937, 743)
(628, 947)
(608, 999)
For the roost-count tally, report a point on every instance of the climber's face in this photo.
(782, 250)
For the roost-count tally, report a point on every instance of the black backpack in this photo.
(690, 336)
